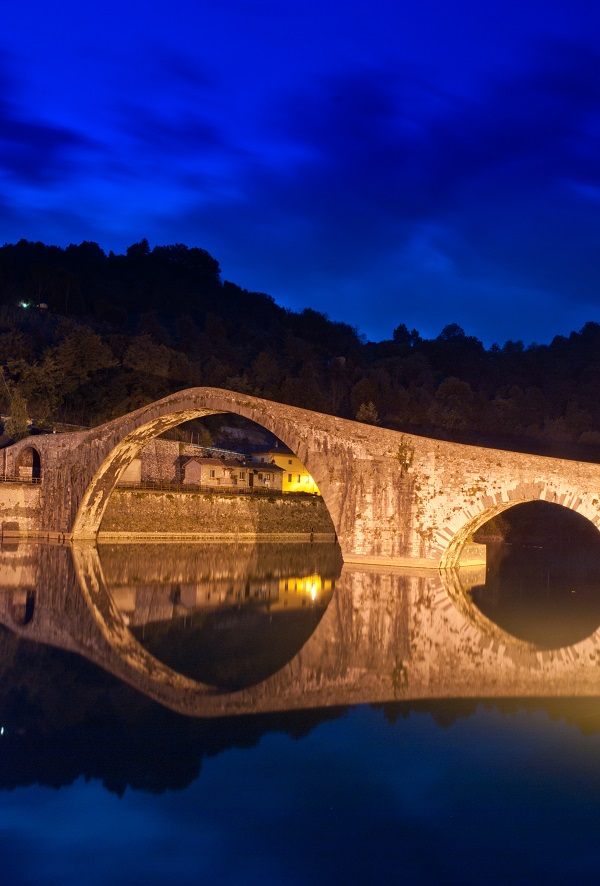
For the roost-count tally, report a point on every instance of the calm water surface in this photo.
(99, 782)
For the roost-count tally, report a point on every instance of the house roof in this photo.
(274, 450)
(232, 463)
(215, 462)
(263, 466)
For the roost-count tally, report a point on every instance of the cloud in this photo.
(374, 187)
(374, 159)
(32, 151)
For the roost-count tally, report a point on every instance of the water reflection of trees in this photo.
(64, 718)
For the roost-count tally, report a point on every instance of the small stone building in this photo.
(224, 473)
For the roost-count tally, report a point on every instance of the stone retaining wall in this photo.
(147, 511)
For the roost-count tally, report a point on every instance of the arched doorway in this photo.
(29, 465)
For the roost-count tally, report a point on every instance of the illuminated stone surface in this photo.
(392, 497)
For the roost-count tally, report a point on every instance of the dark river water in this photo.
(351, 724)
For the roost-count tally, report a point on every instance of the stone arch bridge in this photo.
(393, 497)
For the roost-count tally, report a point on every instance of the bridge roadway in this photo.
(394, 498)
(387, 635)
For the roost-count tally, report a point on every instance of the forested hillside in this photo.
(85, 337)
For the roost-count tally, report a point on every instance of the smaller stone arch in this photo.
(29, 464)
(456, 534)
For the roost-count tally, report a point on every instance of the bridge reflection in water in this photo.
(212, 629)
(226, 615)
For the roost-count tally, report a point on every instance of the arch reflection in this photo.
(542, 580)
(228, 616)
(22, 606)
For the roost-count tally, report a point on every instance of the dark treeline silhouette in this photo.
(86, 337)
(63, 718)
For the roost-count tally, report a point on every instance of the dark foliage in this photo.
(104, 334)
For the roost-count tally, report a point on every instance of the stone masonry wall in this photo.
(159, 460)
(19, 508)
(141, 511)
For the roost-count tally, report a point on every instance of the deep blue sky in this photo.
(379, 160)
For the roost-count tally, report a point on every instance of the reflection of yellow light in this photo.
(311, 586)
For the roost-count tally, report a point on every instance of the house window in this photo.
(298, 478)
(289, 461)
(289, 478)
(212, 473)
(242, 475)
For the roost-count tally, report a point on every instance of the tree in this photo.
(402, 336)
(139, 250)
(451, 331)
(17, 426)
(363, 392)
(452, 406)
(366, 412)
(265, 375)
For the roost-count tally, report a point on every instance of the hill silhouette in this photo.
(86, 337)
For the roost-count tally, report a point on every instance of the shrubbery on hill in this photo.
(85, 337)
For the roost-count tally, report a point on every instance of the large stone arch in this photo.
(131, 435)
(456, 534)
